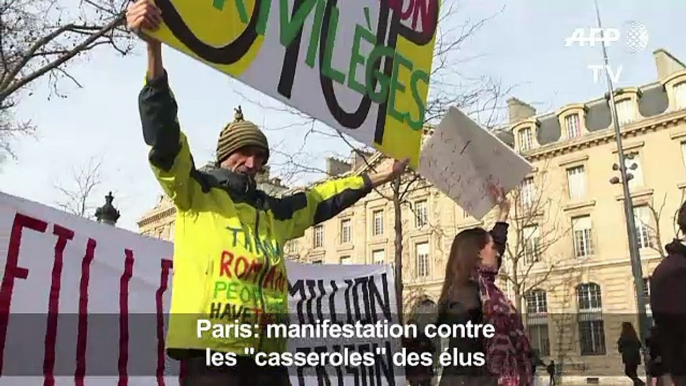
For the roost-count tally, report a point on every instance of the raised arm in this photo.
(296, 213)
(169, 154)
(499, 231)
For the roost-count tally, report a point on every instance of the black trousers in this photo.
(245, 372)
(631, 371)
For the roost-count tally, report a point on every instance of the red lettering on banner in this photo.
(124, 317)
(240, 273)
(82, 332)
(416, 9)
(166, 266)
(13, 270)
(63, 236)
(254, 271)
(270, 277)
(278, 283)
(225, 267)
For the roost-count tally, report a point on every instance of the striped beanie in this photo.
(240, 133)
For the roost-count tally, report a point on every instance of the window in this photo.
(537, 320)
(465, 214)
(539, 336)
(291, 247)
(318, 238)
(317, 262)
(527, 192)
(422, 256)
(536, 302)
(642, 217)
(378, 256)
(625, 111)
(680, 95)
(346, 231)
(377, 223)
(573, 125)
(346, 260)
(530, 240)
(591, 325)
(583, 232)
(421, 216)
(576, 182)
(525, 139)
(637, 172)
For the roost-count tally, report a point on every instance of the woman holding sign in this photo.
(498, 355)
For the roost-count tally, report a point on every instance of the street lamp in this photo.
(634, 253)
(625, 177)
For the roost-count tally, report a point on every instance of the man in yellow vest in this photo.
(229, 269)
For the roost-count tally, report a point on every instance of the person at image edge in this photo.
(229, 235)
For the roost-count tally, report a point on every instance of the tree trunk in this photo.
(398, 228)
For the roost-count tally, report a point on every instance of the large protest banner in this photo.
(463, 159)
(362, 67)
(83, 303)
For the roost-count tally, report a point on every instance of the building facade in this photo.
(567, 263)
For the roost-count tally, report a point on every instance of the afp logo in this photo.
(634, 36)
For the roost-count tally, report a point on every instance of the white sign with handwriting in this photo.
(463, 160)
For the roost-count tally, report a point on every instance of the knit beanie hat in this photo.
(240, 133)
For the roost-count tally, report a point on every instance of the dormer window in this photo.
(573, 126)
(525, 139)
(680, 96)
(625, 111)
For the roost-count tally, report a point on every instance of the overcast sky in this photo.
(523, 46)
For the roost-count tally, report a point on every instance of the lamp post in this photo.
(625, 177)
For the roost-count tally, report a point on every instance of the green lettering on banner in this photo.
(327, 70)
(219, 286)
(245, 290)
(247, 244)
(242, 12)
(234, 232)
(377, 54)
(315, 33)
(357, 59)
(218, 4)
(417, 76)
(263, 18)
(231, 289)
(397, 86)
(290, 28)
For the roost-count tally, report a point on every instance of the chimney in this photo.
(336, 167)
(666, 63)
(519, 110)
(360, 158)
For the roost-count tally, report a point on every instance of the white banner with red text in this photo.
(83, 303)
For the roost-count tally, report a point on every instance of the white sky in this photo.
(523, 46)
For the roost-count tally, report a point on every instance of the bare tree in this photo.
(564, 323)
(537, 225)
(76, 199)
(39, 38)
(653, 225)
